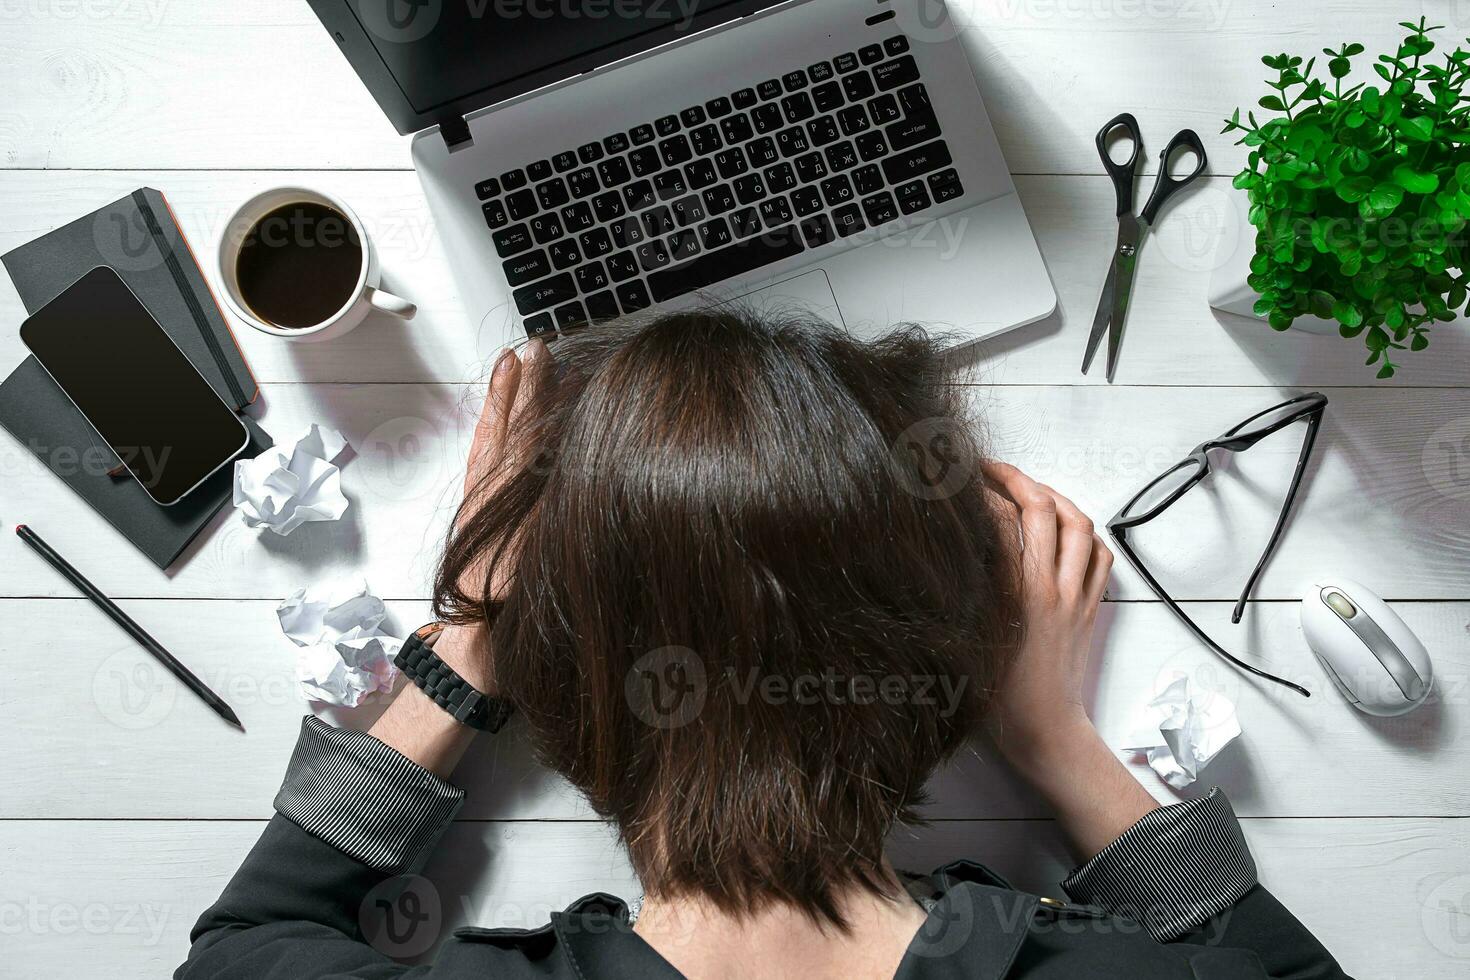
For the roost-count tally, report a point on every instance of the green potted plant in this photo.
(1359, 195)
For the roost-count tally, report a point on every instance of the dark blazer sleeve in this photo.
(354, 820)
(1186, 873)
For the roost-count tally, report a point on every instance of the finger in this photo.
(536, 367)
(1075, 542)
(488, 444)
(1038, 519)
(1099, 566)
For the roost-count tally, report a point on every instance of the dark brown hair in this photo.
(722, 512)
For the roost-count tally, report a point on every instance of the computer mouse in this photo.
(1370, 654)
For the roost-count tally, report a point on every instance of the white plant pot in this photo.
(1229, 292)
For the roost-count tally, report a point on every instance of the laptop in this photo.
(585, 161)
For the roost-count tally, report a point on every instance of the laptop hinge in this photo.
(456, 133)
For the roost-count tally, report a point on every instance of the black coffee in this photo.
(299, 265)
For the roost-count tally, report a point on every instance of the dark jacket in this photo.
(328, 892)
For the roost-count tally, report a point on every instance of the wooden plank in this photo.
(148, 83)
(117, 898)
(1387, 498)
(1173, 337)
(135, 745)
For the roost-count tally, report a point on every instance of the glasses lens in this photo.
(1156, 493)
(1271, 417)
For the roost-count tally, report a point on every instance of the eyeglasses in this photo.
(1179, 479)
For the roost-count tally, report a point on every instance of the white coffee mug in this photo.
(364, 298)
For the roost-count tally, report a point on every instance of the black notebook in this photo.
(137, 237)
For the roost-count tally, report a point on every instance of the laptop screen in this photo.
(440, 52)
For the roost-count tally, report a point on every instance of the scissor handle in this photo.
(1166, 186)
(1122, 173)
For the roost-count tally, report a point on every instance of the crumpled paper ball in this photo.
(1182, 730)
(294, 483)
(345, 656)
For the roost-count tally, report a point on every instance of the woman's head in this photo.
(758, 597)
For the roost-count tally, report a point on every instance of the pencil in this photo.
(122, 619)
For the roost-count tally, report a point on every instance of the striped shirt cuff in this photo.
(1173, 870)
(365, 799)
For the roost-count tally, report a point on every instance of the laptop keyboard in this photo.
(719, 190)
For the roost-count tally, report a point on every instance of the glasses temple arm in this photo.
(1286, 508)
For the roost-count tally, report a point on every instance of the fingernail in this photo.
(536, 349)
(502, 364)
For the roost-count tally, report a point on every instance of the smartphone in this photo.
(134, 385)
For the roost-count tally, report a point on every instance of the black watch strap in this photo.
(420, 664)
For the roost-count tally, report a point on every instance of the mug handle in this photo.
(390, 304)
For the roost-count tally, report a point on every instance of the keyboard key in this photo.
(884, 110)
(666, 125)
(945, 186)
(546, 227)
(633, 296)
(845, 63)
(675, 150)
(912, 196)
(571, 315)
(614, 172)
(858, 87)
(853, 120)
(626, 232)
(827, 96)
(658, 221)
(718, 200)
(780, 178)
(805, 201)
(732, 260)
(705, 139)
(920, 160)
(762, 152)
(767, 117)
(880, 208)
(495, 215)
(769, 89)
(577, 217)
(687, 211)
(745, 222)
(641, 134)
(602, 306)
(737, 129)
(700, 173)
(565, 254)
(841, 156)
(644, 161)
(794, 80)
(616, 143)
(553, 193)
(591, 277)
(775, 212)
(836, 190)
(871, 146)
(527, 268)
(670, 184)
(849, 220)
(891, 74)
(622, 266)
(548, 292)
(487, 188)
(744, 99)
(823, 130)
(652, 255)
(912, 131)
(817, 231)
(692, 116)
(521, 204)
(513, 179)
(811, 168)
(639, 195)
(538, 171)
(792, 141)
(750, 188)
(595, 243)
(870, 53)
(895, 45)
(539, 324)
(684, 245)
(867, 180)
(564, 161)
(731, 162)
(589, 152)
(715, 234)
(798, 107)
(512, 241)
(915, 100)
(718, 107)
(820, 72)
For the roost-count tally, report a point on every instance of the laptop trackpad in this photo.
(808, 293)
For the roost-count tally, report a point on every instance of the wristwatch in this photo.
(418, 661)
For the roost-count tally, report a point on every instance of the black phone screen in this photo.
(131, 381)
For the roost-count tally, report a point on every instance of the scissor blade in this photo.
(1125, 264)
(1100, 318)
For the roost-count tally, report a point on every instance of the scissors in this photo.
(1112, 307)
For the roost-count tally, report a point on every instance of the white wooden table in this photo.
(125, 805)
